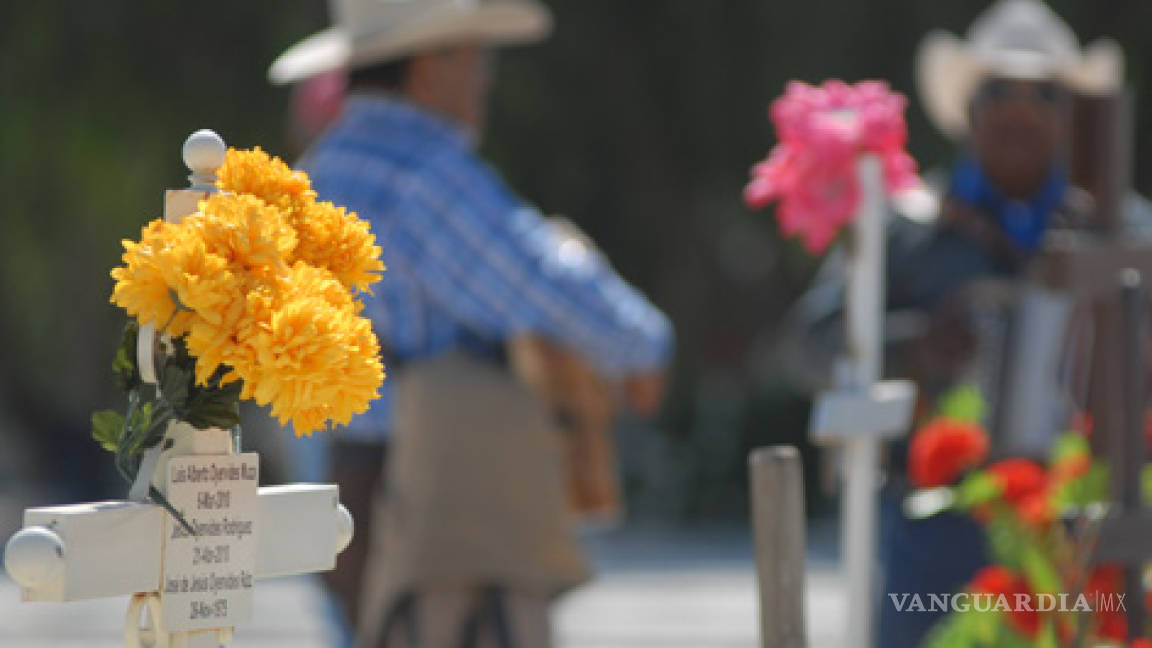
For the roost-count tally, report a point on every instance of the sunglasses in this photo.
(1044, 93)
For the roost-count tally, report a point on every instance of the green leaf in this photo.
(963, 403)
(1087, 489)
(1006, 538)
(175, 384)
(124, 370)
(138, 421)
(1010, 638)
(214, 406)
(1047, 637)
(1070, 445)
(1039, 569)
(1146, 484)
(107, 428)
(967, 629)
(218, 415)
(976, 489)
(159, 418)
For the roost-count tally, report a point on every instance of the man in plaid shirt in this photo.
(470, 264)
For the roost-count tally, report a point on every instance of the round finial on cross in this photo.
(34, 557)
(204, 153)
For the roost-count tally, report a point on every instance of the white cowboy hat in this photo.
(1020, 39)
(375, 31)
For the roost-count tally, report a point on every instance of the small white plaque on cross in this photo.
(207, 577)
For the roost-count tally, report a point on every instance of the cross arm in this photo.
(882, 410)
(101, 549)
(1087, 265)
(302, 528)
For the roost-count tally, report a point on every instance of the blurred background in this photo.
(638, 120)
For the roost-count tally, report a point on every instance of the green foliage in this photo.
(1009, 638)
(1089, 488)
(124, 371)
(1007, 537)
(107, 426)
(969, 628)
(151, 410)
(976, 489)
(1043, 554)
(202, 406)
(144, 425)
(1039, 570)
(1068, 446)
(963, 403)
(1047, 637)
(1146, 484)
(973, 628)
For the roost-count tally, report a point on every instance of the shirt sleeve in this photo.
(501, 269)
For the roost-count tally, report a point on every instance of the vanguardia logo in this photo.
(1020, 602)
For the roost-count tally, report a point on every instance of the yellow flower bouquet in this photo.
(255, 297)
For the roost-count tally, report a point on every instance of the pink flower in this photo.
(812, 170)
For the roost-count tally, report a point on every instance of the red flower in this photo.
(1140, 643)
(1108, 579)
(997, 581)
(1111, 625)
(993, 579)
(1019, 479)
(943, 449)
(1037, 509)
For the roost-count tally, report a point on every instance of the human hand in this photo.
(645, 392)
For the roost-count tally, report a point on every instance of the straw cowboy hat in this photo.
(375, 31)
(1019, 39)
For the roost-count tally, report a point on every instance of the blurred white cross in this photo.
(862, 410)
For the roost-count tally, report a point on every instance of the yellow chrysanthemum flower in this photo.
(313, 358)
(261, 282)
(248, 232)
(268, 178)
(141, 288)
(164, 274)
(329, 236)
(332, 237)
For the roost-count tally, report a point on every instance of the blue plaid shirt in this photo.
(469, 263)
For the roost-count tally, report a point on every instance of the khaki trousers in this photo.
(470, 618)
(474, 498)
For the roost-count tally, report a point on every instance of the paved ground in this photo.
(658, 589)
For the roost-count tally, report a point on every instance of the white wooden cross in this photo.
(188, 591)
(862, 410)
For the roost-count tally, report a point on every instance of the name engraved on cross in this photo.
(207, 577)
